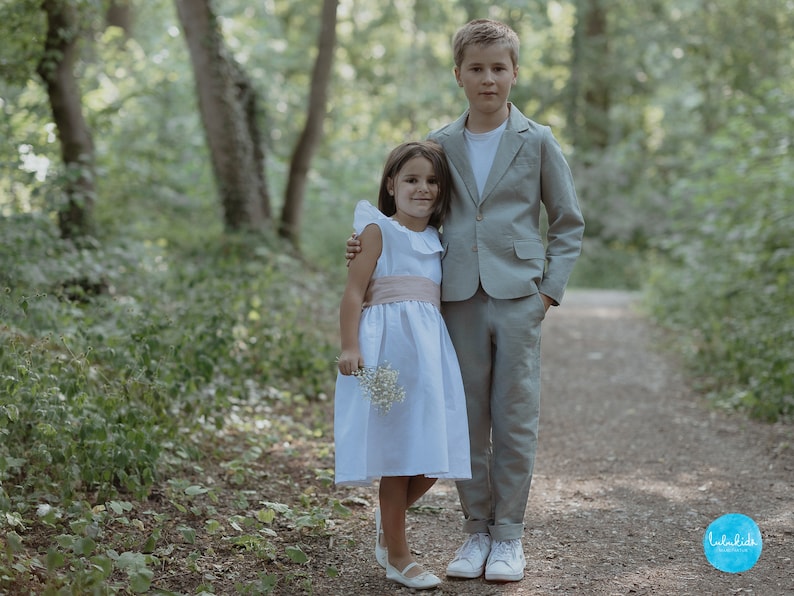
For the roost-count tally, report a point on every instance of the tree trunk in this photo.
(589, 104)
(313, 130)
(596, 97)
(119, 14)
(227, 103)
(77, 147)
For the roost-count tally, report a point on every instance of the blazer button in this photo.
(474, 248)
(479, 217)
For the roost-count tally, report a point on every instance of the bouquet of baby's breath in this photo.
(379, 385)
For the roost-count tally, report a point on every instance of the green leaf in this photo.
(104, 564)
(120, 507)
(14, 519)
(296, 554)
(194, 490)
(131, 561)
(341, 509)
(83, 546)
(212, 526)
(55, 559)
(12, 412)
(188, 533)
(277, 507)
(140, 580)
(150, 544)
(14, 542)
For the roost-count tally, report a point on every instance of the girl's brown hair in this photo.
(397, 159)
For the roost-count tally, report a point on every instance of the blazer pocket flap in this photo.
(526, 160)
(529, 249)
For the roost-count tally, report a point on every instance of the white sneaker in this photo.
(469, 561)
(506, 562)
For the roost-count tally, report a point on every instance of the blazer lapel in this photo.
(509, 145)
(458, 157)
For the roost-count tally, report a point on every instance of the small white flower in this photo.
(379, 385)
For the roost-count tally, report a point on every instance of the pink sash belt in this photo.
(398, 288)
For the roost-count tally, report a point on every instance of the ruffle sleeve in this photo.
(425, 242)
(365, 214)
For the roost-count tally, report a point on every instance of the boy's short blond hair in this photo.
(484, 32)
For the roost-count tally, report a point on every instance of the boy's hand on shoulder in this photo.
(352, 247)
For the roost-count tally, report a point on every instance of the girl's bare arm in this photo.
(359, 273)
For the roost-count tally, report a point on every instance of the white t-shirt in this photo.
(482, 148)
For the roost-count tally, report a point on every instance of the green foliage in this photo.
(118, 362)
(724, 282)
(109, 353)
(609, 266)
(104, 550)
(78, 559)
(23, 26)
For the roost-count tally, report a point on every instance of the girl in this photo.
(413, 431)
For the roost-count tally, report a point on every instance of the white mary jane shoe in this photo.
(381, 554)
(423, 581)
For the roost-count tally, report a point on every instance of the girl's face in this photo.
(415, 191)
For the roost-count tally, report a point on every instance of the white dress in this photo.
(427, 433)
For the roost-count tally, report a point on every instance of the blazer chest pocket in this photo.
(529, 249)
(525, 170)
(525, 161)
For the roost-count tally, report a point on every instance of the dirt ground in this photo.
(632, 467)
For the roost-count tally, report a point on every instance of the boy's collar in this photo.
(507, 118)
(463, 120)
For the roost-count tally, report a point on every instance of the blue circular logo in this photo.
(732, 543)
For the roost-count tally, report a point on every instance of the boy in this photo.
(498, 282)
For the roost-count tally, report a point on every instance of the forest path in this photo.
(632, 467)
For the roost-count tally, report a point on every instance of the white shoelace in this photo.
(472, 547)
(505, 550)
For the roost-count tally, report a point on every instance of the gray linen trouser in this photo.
(498, 346)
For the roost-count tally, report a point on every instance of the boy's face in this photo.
(486, 74)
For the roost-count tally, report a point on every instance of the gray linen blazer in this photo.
(495, 239)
